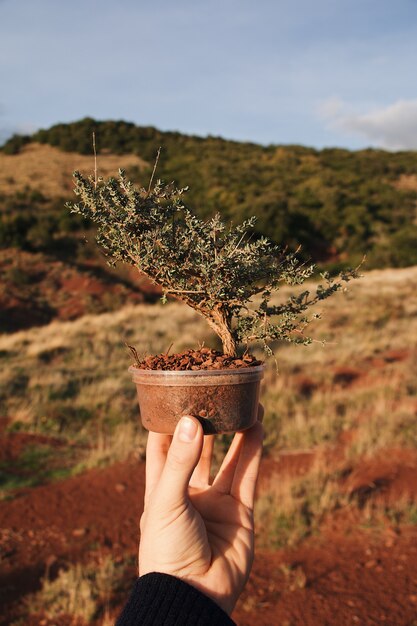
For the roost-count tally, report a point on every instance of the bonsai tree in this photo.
(221, 271)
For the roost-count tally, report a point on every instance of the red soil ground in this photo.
(344, 576)
(35, 289)
(334, 581)
(13, 444)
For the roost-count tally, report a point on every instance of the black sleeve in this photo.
(163, 600)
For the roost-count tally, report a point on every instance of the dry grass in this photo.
(290, 509)
(406, 182)
(82, 366)
(388, 417)
(359, 392)
(70, 378)
(312, 410)
(47, 168)
(403, 511)
(126, 439)
(83, 592)
(353, 381)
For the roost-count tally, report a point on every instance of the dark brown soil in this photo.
(201, 359)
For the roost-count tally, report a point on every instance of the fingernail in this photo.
(187, 430)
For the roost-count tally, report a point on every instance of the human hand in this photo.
(198, 531)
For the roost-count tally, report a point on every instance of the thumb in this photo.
(183, 456)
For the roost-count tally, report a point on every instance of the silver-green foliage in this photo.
(216, 269)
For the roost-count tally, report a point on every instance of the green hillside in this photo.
(337, 203)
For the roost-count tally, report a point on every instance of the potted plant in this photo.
(224, 274)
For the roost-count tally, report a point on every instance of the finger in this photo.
(201, 474)
(224, 479)
(247, 468)
(156, 453)
(182, 458)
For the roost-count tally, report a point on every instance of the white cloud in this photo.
(393, 127)
(330, 108)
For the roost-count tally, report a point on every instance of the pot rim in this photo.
(197, 377)
(205, 372)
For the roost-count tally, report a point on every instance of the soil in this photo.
(336, 580)
(386, 477)
(35, 289)
(201, 359)
(47, 527)
(362, 576)
(13, 444)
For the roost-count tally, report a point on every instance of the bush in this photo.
(401, 251)
(15, 144)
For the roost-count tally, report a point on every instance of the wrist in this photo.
(220, 593)
(160, 598)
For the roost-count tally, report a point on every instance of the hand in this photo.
(197, 531)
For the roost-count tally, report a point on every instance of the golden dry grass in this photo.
(83, 363)
(80, 591)
(70, 378)
(407, 182)
(292, 508)
(49, 169)
(108, 447)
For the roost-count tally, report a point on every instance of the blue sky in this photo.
(322, 73)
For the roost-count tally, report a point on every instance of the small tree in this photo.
(215, 269)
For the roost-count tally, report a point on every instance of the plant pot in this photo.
(224, 401)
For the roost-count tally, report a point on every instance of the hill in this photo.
(336, 203)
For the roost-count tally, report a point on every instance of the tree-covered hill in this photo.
(337, 203)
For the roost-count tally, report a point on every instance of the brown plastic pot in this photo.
(224, 401)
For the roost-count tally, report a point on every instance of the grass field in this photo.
(48, 168)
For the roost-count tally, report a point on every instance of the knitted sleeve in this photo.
(163, 600)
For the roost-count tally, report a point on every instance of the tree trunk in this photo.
(221, 326)
(219, 321)
(229, 345)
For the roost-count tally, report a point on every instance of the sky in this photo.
(318, 73)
